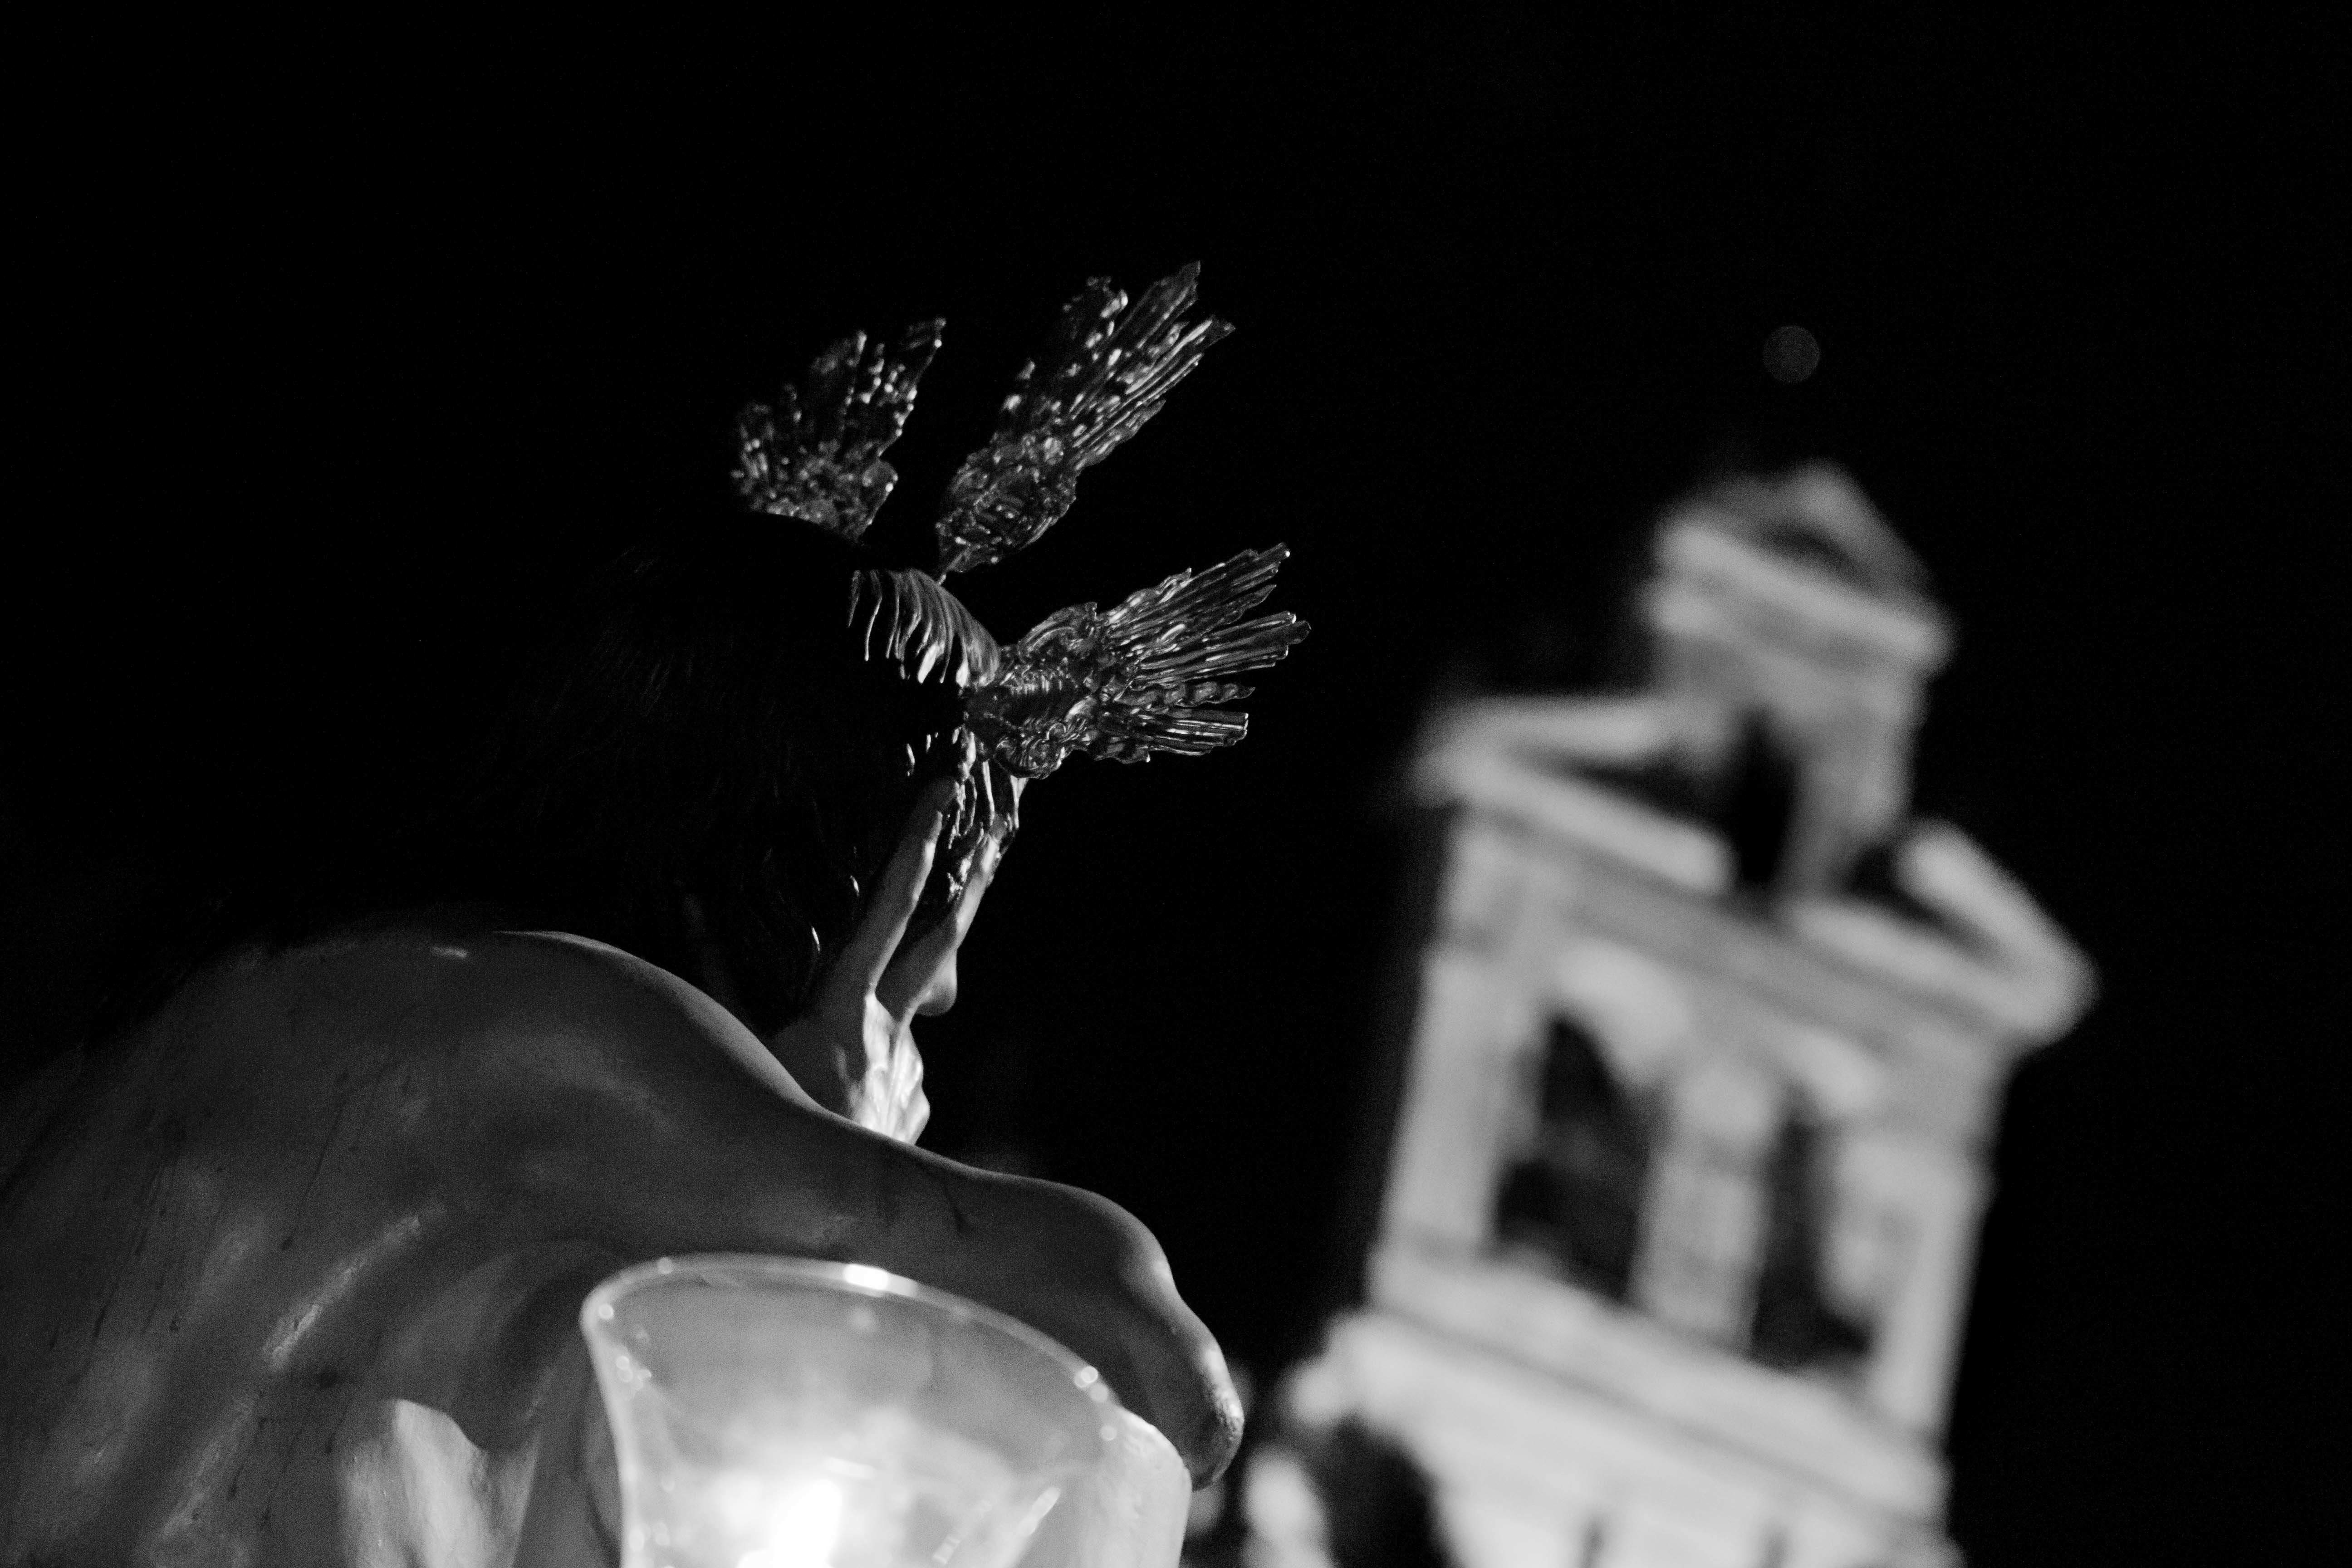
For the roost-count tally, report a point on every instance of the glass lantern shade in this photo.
(784, 1413)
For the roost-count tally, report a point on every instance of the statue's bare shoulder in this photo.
(421, 994)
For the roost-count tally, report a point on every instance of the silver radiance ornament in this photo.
(817, 456)
(1137, 680)
(1148, 676)
(1107, 371)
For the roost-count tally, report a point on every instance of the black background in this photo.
(337, 351)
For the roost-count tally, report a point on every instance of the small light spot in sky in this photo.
(1792, 354)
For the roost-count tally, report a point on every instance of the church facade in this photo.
(1710, 1040)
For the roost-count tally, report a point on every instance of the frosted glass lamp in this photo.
(784, 1413)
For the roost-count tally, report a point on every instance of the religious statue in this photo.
(294, 1252)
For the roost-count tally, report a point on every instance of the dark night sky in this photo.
(329, 369)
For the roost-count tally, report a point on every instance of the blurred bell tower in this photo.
(1692, 1146)
(1792, 633)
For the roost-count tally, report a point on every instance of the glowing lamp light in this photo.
(801, 1524)
(783, 1413)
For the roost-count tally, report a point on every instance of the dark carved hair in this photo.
(700, 723)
